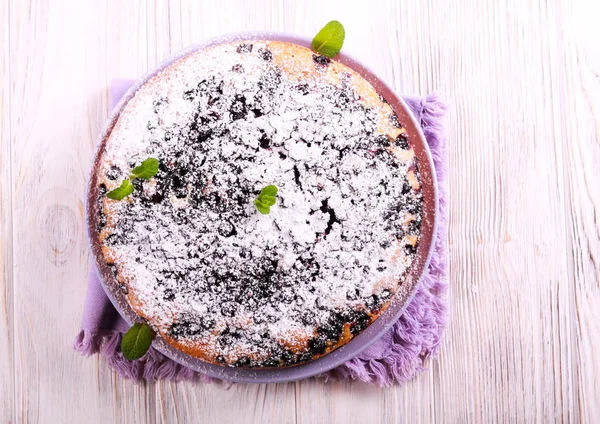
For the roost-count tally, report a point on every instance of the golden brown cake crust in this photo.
(216, 279)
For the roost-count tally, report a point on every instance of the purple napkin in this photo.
(398, 356)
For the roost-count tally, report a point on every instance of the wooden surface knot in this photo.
(60, 231)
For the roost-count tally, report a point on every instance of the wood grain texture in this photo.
(580, 142)
(523, 83)
(6, 265)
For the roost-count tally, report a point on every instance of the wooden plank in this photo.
(6, 247)
(65, 92)
(171, 28)
(61, 107)
(219, 402)
(503, 360)
(59, 93)
(579, 141)
(338, 402)
(316, 400)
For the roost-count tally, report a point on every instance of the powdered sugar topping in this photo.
(207, 269)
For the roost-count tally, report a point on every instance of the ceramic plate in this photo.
(367, 336)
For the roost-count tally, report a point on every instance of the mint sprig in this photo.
(330, 39)
(137, 341)
(266, 199)
(124, 190)
(146, 170)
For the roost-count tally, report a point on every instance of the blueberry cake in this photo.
(211, 275)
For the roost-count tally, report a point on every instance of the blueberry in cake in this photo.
(194, 258)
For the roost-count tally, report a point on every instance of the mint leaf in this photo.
(121, 192)
(266, 199)
(146, 170)
(330, 39)
(269, 190)
(137, 341)
(261, 207)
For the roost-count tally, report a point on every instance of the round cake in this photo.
(213, 276)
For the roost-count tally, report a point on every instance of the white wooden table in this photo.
(523, 81)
